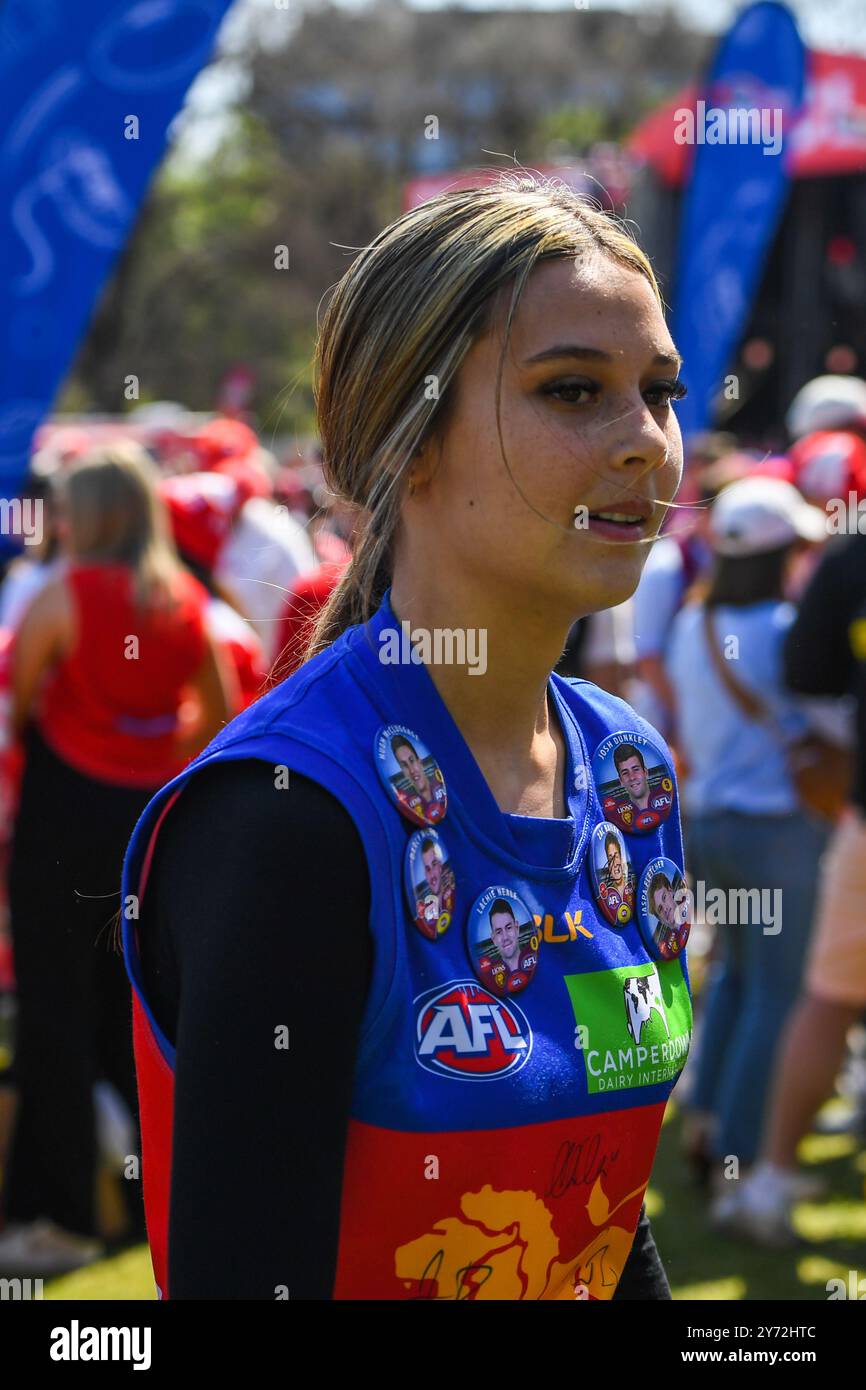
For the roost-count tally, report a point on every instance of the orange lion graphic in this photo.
(502, 1245)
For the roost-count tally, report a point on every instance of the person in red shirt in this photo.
(304, 603)
(103, 666)
(201, 520)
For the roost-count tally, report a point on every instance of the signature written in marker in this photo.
(467, 1281)
(579, 1164)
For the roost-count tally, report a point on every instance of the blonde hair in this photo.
(115, 515)
(397, 328)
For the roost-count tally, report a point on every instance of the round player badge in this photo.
(503, 941)
(612, 874)
(635, 782)
(410, 774)
(429, 881)
(664, 909)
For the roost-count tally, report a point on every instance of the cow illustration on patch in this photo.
(642, 995)
(635, 782)
(633, 1024)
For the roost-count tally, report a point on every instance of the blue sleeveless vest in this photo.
(503, 1125)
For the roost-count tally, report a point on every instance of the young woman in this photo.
(103, 661)
(748, 836)
(336, 1101)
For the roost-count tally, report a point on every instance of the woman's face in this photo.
(586, 423)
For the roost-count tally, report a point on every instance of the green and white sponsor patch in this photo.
(633, 1024)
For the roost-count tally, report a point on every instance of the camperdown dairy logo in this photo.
(634, 1025)
(462, 1031)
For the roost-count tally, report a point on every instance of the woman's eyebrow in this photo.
(661, 359)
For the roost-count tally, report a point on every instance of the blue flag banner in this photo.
(735, 196)
(88, 89)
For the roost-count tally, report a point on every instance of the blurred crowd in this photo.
(745, 646)
(174, 578)
(161, 584)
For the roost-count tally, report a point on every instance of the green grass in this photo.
(125, 1277)
(700, 1263)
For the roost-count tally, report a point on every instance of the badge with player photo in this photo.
(664, 909)
(410, 774)
(612, 874)
(429, 882)
(635, 782)
(503, 941)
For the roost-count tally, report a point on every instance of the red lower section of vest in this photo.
(546, 1211)
(543, 1211)
(156, 1107)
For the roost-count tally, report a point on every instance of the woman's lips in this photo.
(616, 525)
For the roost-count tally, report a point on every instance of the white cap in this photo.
(755, 515)
(827, 403)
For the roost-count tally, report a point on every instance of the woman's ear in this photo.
(423, 465)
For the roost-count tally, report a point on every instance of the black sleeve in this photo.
(256, 918)
(644, 1277)
(817, 656)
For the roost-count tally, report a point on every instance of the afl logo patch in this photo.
(464, 1031)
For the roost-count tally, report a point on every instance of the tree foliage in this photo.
(314, 159)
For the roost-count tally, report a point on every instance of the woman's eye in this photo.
(669, 390)
(569, 391)
(662, 393)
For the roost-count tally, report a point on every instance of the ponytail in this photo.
(358, 594)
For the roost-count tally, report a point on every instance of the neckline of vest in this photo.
(405, 693)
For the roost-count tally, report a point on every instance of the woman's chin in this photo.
(611, 586)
